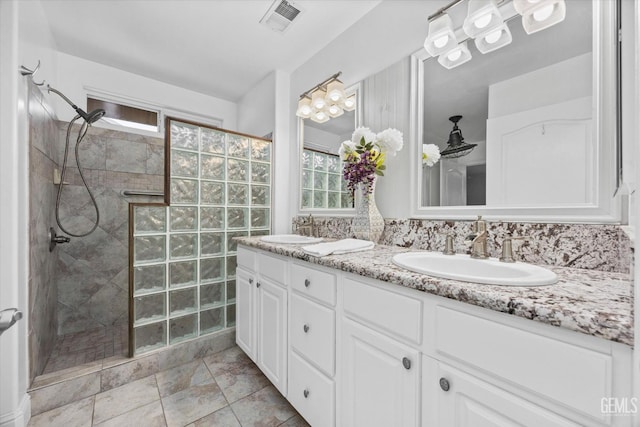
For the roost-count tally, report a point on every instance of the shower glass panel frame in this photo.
(182, 256)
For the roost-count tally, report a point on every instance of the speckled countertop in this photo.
(592, 302)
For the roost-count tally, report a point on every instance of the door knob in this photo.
(305, 393)
(251, 281)
(305, 328)
(257, 284)
(444, 384)
(307, 283)
(406, 363)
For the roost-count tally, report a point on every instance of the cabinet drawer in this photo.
(314, 283)
(246, 258)
(572, 375)
(311, 393)
(312, 329)
(399, 315)
(272, 267)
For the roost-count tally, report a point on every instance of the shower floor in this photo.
(88, 346)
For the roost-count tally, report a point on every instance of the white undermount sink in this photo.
(464, 268)
(291, 239)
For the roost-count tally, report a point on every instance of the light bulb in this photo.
(334, 109)
(543, 14)
(349, 102)
(493, 36)
(455, 55)
(441, 41)
(483, 21)
(320, 115)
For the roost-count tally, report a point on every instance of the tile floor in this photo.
(224, 389)
(87, 346)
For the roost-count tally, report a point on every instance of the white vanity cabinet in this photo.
(362, 352)
(312, 354)
(261, 322)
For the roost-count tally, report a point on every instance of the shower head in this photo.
(93, 116)
(90, 118)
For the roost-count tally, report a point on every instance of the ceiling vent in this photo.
(280, 15)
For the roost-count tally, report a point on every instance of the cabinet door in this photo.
(246, 312)
(272, 332)
(462, 400)
(380, 379)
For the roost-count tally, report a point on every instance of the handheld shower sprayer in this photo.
(91, 117)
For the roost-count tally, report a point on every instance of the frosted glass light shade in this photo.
(304, 108)
(318, 101)
(455, 57)
(349, 103)
(334, 111)
(335, 92)
(540, 15)
(320, 116)
(441, 37)
(483, 16)
(493, 40)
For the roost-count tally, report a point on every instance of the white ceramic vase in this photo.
(368, 223)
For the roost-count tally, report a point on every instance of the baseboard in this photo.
(20, 417)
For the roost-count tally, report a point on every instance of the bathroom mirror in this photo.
(542, 113)
(323, 188)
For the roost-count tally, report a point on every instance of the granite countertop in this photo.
(592, 302)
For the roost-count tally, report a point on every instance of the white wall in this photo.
(256, 109)
(77, 76)
(563, 81)
(14, 193)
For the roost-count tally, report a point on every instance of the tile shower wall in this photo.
(43, 133)
(92, 275)
(588, 246)
(184, 255)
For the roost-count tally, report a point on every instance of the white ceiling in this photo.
(215, 47)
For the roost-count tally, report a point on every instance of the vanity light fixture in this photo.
(456, 56)
(456, 147)
(486, 25)
(325, 101)
(538, 15)
(441, 37)
(494, 39)
(304, 108)
(483, 17)
(349, 103)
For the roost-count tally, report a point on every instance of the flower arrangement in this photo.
(430, 154)
(365, 153)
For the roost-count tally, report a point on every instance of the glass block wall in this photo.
(184, 256)
(322, 182)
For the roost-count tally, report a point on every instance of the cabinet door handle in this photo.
(257, 284)
(306, 393)
(251, 281)
(305, 328)
(307, 283)
(444, 384)
(406, 363)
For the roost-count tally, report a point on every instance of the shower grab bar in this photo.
(142, 193)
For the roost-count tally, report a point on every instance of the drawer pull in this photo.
(444, 384)
(306, 393)
(251, 281)
(257, 284)
(406, 363)
(305, 328)
(307, 283)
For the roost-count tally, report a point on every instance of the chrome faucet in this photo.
(478, 239)
(308, 227)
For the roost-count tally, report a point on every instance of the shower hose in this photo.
(81, 133)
